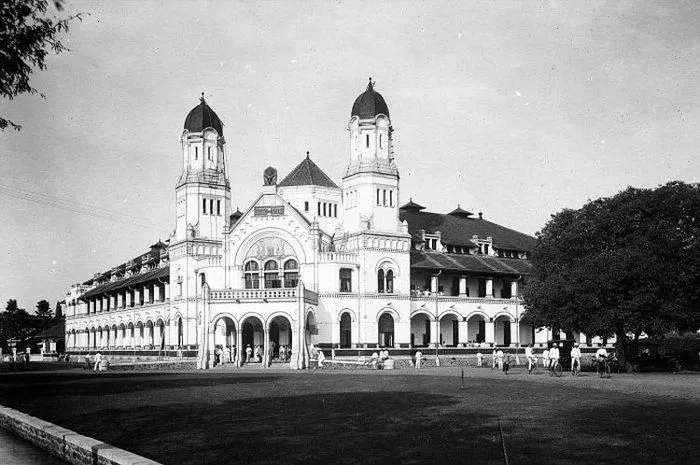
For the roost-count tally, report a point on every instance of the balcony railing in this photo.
(419, 300)
(254, 294)
(326, 257)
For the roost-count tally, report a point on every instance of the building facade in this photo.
(350, 267)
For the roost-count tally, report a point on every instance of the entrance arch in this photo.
(345, 330)
(449, 330)
(385, 328)
(502, 331)
(280, 334)
(224, 332)
(476, 329)
(149, 334)
(252, 335)
(421, 327)
(130, 330)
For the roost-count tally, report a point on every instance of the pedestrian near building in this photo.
(419, 355)
(87, 362)
(479, 359)
(321, 358)
(494, 359)
(98, 361)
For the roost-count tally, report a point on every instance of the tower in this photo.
(203, 193)
(371, 180)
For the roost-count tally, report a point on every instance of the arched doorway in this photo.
(252, 329)
(449, 330)
(159, 337)
(149, 334)
(421, 326)
(345, 331)
(130, 332)
(386, 330)
(502, 331)
(476, 329)
(180, 341)
(310, 329)
(224, 332)
(280, 334)
(139, 335)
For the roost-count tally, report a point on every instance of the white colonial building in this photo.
(309, 262)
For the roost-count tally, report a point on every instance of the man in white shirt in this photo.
(575, 358)
(531, 359)
(98, 360)
(553, 355)
(499, 358)
(419, 355)
(545, 357)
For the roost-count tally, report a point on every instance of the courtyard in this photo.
(281, 417)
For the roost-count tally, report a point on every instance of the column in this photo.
(435, 334)
(462, 286)
(239, 347)
(513, 289)
(156, 292)
(490, 336)
(266, 347)
(127, 296)
(433, 284)
(463, 328)
(489, 288)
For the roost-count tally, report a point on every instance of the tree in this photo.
(58, 313)
(623, 266)
(27, 35)
(43, 310)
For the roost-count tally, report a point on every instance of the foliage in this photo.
(624, 265)
(27, 35)
(17, 323)
(685, 348)
(58, 313)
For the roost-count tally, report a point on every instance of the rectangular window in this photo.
(345, 280)
(319, 209)
(324, 208)
(306, 206)
(367, 140)
(204, 206)
(211, 206)
(378, 193)
(391, 198)
(209, 153)
(384, 198)
(482, 287)
(196, 153)
(335, 210)
(218, 207)
(380, 141)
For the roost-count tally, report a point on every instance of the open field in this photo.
(281, 417)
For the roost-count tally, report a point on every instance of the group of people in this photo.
(98, 364)
(378, 360)
(224, 355)
(18, 360)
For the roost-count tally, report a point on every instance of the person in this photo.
(283, 353)
(248, 354)
(494, 359)
(479, 359)
(531, 359)
(601, 355)
(227, 355)
(374, 360)
(575, 358)
(98, 360)
(419, 354)
(506, 362)
(87, 361)
(499, 359)
(217, 356)
(321, 358)
(257, 353)
(553, 355)
(545, 358)
(26, 360)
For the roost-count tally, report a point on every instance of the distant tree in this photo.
(58, 313)
(27, 35)
(44, 314)
(624, 265)
(11, 306)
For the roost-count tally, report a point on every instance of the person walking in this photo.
(494, 359)
(87, 362)
(479, 359)
(575, 358)
(321, 358)
(248, 354)
(98, 361)
(419, 355)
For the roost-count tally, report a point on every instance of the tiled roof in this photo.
(411, 205)
(458, 230)
(150, 275)
(469, 263)
(460, 212)
(307, 173)
(369, 104)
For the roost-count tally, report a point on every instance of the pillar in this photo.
(489, 288)
(435, 334)
(266, 347)
(156, 292)
(490, 336)
(146, 294)
(167, 291)
(463, 332)
(513, 289)
(239, 347)
(462, 287)
(433, 284)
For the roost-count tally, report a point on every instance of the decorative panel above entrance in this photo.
(270, 247)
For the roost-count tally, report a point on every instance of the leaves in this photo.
(628, 263)
(27, 35)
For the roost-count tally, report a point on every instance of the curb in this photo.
(66, 444)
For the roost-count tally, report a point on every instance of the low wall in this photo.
(66, 444)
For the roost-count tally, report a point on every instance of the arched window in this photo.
(252, 275)
(345, 330)
(272, 277)
(380, 281)
(386, 331)
(179, 332)
(291, 273)
(390, 282)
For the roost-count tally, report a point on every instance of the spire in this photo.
(201, 99)
(307, 154)
(370, 86)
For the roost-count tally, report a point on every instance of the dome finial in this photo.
(201, 99)
(307, 154)
(370, 86)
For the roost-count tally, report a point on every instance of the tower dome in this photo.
(202, 117)
(369, 104)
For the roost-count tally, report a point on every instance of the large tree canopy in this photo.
(28, 33)
(620, 266)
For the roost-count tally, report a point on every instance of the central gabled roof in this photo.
(307, 173)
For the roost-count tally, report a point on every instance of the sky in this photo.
(514, 109)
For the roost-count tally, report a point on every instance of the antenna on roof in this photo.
(307, 154)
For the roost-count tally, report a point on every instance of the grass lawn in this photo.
(278, 417)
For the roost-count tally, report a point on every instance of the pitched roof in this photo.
(411, 205)
(307, 173)
(471, 263)
(158, 273)
(459, 229)
(460, 212)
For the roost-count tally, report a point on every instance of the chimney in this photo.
(481, 215)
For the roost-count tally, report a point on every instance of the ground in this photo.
(280, 417)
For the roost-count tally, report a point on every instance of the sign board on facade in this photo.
(276, 210)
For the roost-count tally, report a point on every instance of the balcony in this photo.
(335, 257)
(254, 294)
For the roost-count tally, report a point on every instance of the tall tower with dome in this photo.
(371, 179)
